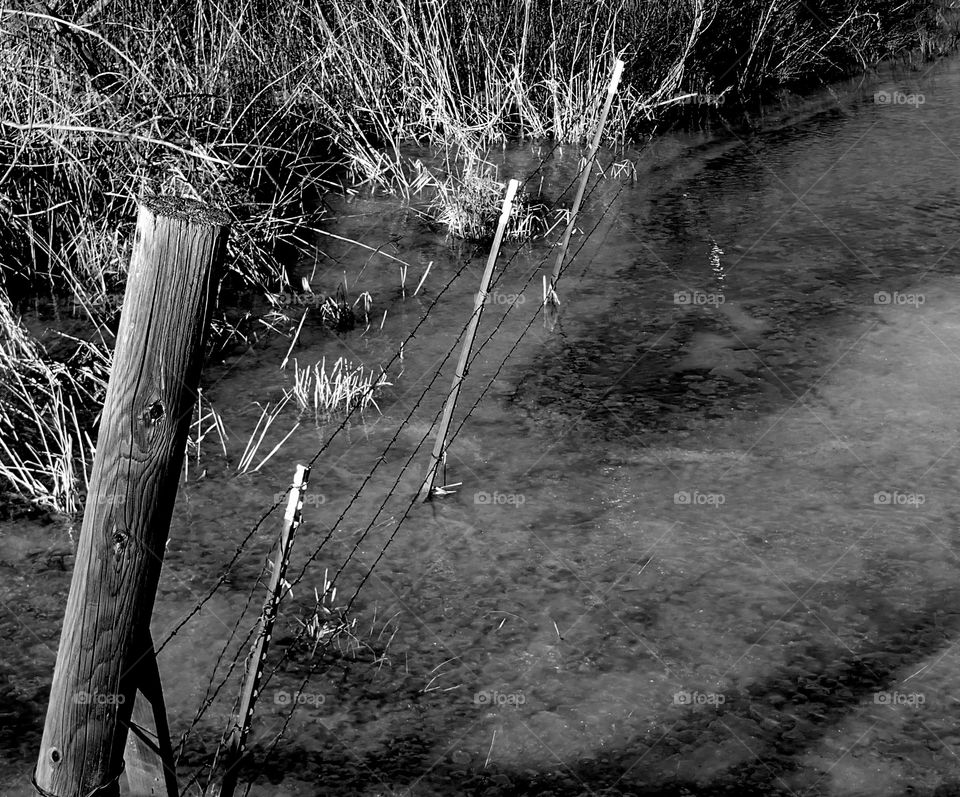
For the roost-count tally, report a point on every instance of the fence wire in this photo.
(212, 692)
(415, 498)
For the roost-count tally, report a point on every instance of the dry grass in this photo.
(475, 73)
(243, 104)
(255, 441)
(468, 201)
(329, 624)
(207, 421)
(45, 448)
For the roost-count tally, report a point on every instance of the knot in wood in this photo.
(120, 539)
(154, 412)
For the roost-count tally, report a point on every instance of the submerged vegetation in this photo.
(467, 202)
(322, 391)
(259, 107)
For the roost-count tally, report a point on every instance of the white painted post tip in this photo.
(615, 80)
(296, 493)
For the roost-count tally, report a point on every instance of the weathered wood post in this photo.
(105, 646)
(150, 766)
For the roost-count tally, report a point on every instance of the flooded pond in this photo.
(706, 537)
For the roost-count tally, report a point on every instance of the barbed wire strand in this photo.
(416, 498)
(208, 699)
(424, 393)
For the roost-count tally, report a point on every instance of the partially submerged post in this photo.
(258, 655)
(439, 447)
(106, 653)
(550, 299)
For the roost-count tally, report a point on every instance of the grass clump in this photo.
(468, 202)
(338, 314)
(329, 626)
(327, 622)
(44, 443)
(324, 392)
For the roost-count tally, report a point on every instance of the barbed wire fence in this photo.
(211, 692)
(415, 498)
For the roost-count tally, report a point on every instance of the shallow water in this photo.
(705, 541)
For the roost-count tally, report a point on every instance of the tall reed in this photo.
(247, 104)
(45, 448)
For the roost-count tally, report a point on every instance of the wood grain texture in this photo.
(133, 485)
(150, 768)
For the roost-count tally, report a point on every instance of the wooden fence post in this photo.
(150, 766)
(179, 247)
(439, 446)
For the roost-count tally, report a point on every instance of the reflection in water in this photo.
(705, 542)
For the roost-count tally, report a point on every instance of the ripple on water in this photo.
(604, 632)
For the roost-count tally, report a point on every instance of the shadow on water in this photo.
(682, 331)
(646, 356)
(752, 744)
(638, 360)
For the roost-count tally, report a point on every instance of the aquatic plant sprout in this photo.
(343, 386)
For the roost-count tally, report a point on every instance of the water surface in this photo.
(706, 536)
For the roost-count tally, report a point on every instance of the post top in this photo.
(179, 207)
